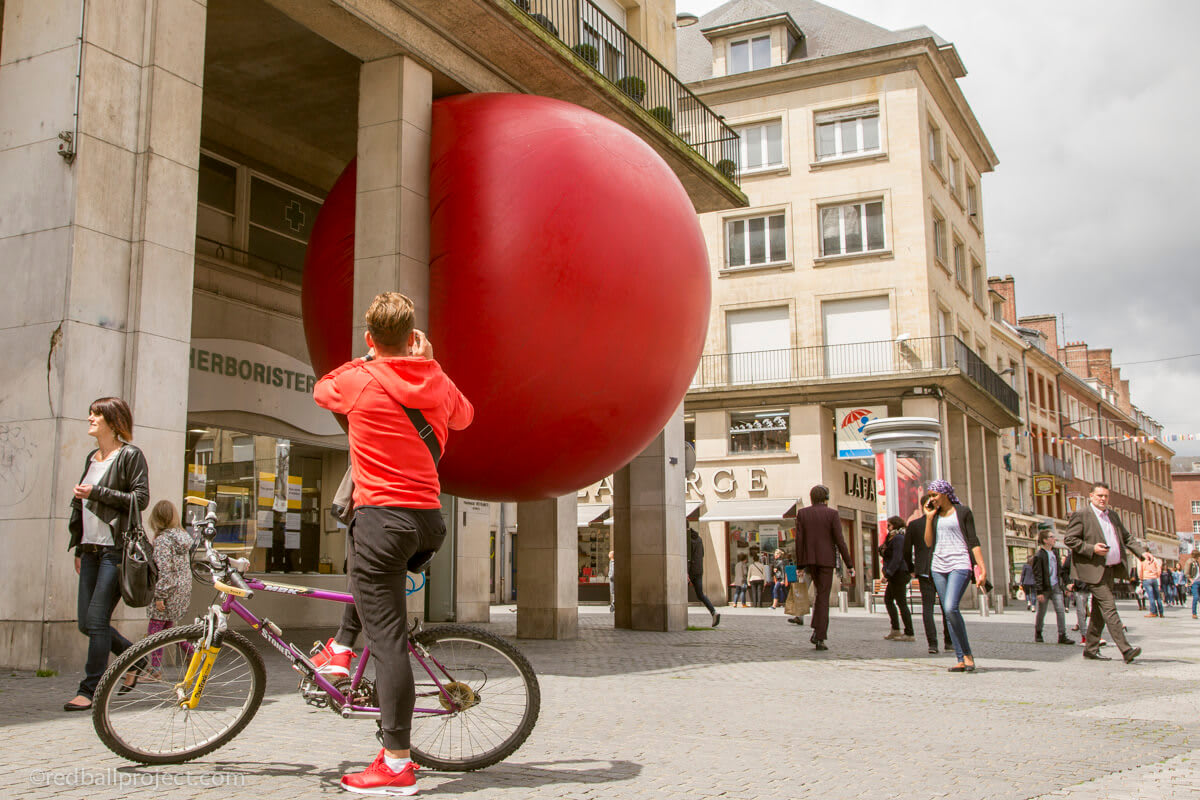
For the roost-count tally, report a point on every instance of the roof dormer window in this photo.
(749, 54)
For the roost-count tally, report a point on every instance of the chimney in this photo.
(1100, 366)
(1006, 287)
(1047, 324)
(1074, 358)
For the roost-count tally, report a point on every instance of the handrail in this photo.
(602, 44)
(849, 361)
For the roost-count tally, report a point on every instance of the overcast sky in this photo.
(1091, 108)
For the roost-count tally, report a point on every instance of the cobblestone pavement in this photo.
(748, 710)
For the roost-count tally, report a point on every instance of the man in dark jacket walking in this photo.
(695, 566)
(818, 533)
(1049, 580)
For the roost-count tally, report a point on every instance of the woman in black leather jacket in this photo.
(113, 474)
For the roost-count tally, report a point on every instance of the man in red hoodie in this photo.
(397, 519)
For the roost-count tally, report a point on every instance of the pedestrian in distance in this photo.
(957, 560)
(818, 540)
(1029, 585)
(1150, 572)
(1181, 585)
(695, 570)
(779, 588)
(1139, 592)
(741, 572)
(1166, 589)
(173, 589)
(922, 558)
(897, 568)
(756, 576)
(1048, 583)
(115, 484)
(1193, 577)
(1098, 541)
(400, 406)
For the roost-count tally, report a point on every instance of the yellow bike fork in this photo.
(199, 668)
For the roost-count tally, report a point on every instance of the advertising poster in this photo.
(850, 422)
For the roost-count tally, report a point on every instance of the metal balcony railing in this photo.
(1052, 465)
(845, 361)
(602, 44)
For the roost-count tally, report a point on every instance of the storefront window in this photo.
(759, 432)
(269, 499)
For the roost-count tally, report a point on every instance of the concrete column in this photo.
(996, 551)
(547, 566)
(100, 256)
(957, 444)
(650, 492)
(391, 224)
(975, 494)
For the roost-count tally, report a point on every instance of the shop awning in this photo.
(692, 509)
(750, 510)
(592, 512)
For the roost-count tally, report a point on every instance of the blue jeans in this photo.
(1153, 596)
(951, 586)
(98, 595)
(1195, 596)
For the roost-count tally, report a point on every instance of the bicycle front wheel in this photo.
(489, 682)
(150, 723)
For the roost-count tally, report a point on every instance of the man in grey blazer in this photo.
(1098, 542)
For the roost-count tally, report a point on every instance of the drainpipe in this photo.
(69, 140)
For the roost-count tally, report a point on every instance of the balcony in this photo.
(1051, 465)
(839, 372)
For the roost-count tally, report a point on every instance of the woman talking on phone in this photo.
(957, 560)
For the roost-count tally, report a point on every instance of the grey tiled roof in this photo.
(827, 32)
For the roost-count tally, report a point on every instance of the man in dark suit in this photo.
(1098, 541)
(818, 532)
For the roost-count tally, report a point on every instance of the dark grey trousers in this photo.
(1104, 614)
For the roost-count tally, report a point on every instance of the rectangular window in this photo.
(852, 228)
(939, 237)
(935, 145)
(977, 284)
(759, 431)
(960, 263)
(755, 241)
(759, 342)
(972, 199)
(848, 132)
(762, 146)
(1196, 526)
(1196, 506)
(955, 168)
(749, 54)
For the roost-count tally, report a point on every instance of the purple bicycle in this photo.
(477, 696)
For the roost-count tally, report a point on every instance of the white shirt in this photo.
(950, 549)
(1110, 537)
(96, 530)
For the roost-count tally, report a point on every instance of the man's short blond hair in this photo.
(390, 319)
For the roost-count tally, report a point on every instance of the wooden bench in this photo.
(879, 586)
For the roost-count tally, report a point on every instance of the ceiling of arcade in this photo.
(279, 94)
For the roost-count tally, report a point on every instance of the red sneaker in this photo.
(331, 663)
(380, 779)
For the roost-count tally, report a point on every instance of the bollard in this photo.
(843, 602)
(983, 604)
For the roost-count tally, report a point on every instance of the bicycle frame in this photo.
(274, 635)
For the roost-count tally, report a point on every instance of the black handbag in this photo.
(139, 573)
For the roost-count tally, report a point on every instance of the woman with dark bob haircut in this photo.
(114, 474)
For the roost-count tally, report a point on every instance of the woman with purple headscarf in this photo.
(957, 560)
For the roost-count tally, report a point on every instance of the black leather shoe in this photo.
(1131, 654)
(73, 707)
(1064, 639)
(1096, 656)
(821, 646)
(1037, 637)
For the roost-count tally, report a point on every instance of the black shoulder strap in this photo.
(425, 431)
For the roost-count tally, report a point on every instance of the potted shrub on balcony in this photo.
(522, 4)
(727, 167)
(663, 115)
(545, 22)
(588, 53)
(633, 86)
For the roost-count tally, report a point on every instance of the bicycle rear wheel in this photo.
(148, 725)
(491, 683)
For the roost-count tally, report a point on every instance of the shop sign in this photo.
(850, 422)
(724, 481)
(859, 486)
(233, 375)
(1043, 485)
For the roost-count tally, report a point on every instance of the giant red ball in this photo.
(569, 292)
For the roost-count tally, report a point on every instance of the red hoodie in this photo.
(392, 466)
